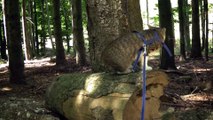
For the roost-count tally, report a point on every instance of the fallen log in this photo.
(104, 96)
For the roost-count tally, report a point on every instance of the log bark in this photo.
(104, 96)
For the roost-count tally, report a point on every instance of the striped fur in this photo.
(121, 53)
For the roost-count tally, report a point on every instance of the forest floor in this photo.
(190, 90)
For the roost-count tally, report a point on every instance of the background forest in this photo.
(42, 39)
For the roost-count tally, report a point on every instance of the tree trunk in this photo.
(196, 45)
(43, 31)
(3, 42)
(207, 29)
(147, 11)
(60, 55)
(48, 21)
(36, 28)
(13, 27)
(202, 14)
(186, 26)
(67, 25)
(26, 39)
(108, 20)
(4, 28)
(31, 28)
(166, 21)
(134, 15)
(78, 36)
(103, 96)
(182, 23)
(4, 19)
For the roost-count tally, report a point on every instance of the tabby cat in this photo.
(122, 52)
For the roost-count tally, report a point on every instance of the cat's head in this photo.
(157, 35)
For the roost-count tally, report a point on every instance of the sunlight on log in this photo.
(79, 98)
(92, 83)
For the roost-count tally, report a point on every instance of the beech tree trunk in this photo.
(78, 35)
(182, 23)
(202, 20)
(32, 27)
(49, 29)
(68, 24)
(13, 33)
(147, 11)
(3, 42)
(60, 55)
(186, 26)
(36, 28)
(108, 20)
(207, 30)
(25, 29)
(196, 44)
(43, 31)
(166, 21)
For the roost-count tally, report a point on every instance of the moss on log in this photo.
(104, 96)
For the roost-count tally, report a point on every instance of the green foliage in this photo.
(175, 13)
(210, 7)
(156, 18)
(66, 17)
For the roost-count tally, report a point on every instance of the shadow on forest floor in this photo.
(189, 95)
(190, 91)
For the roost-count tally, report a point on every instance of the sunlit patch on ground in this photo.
(3, 68)
(198, 97)
(39, 63)
(202, 70)
(6, 89)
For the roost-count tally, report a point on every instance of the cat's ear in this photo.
(151, 27)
